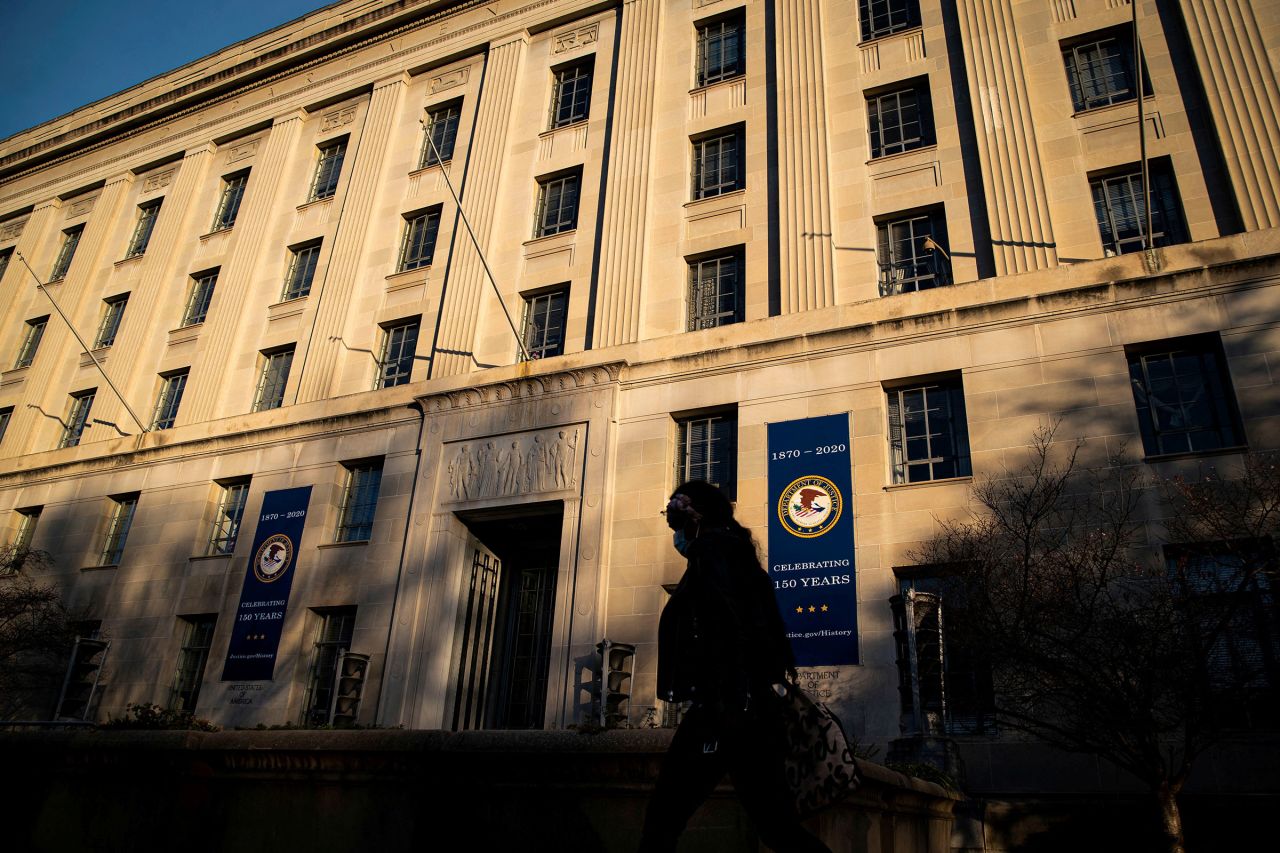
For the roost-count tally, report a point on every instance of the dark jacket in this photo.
(721, 637)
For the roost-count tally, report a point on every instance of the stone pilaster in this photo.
(18, 284)
(804, 200)
(467, 280)
(1014, 183)
(1240, 80)
(226, 317)
(623, 227)
(318, 364)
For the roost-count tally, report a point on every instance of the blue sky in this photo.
(57, 55)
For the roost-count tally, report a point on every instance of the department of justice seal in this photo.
(272, 558)
(810, 506)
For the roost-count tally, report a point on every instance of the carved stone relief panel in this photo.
(12, 230)
(242, 151)
(514, 464)
(449, 79)
(576, 38)
(80, 208)
(158, 180)
(337, 118)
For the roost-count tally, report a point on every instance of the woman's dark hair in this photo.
(717, 513)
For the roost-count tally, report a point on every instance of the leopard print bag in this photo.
(820, 766)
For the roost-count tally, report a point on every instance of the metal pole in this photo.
(41, 287)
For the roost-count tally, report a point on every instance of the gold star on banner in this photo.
(812, 608)
(824, 608)
(799, 609)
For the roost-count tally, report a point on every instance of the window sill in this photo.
(431, 167)
(737, 195)
(16, 374)
(737, 78)
(899, 155)
(905, 31)
(201, 558)
(215, 233)
(546, 238)
(1118, 106)
(552, 131)
(352, 543)
(98, 354)
(1194, 454)
(97, 568)
(408, 278)
(124, 261)
(182, 334)
(947, 481)
(315, 202)
(286, 308)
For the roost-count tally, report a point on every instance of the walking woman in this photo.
(722, 646)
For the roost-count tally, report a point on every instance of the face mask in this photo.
(681, 542)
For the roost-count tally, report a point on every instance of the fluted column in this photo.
(1240, 80)
(623, 227)
(234, 279)
(318, 365)
(18, 284)
(453, 352)
(1013, 179)
(804, 199)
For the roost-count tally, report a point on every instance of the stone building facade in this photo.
(698, 217)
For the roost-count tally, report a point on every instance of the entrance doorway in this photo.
(509, 600)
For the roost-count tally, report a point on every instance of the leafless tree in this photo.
(1098, 641)
(36, 633)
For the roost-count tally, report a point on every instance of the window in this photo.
(419, 245)
(70, 240)
(328, 169)
(169, 399)
(227, 518)
(229, 202)
(441, 129)
(147, 214)
(197, 638)
(77, 418)
(302, 269)
(1184, 397)
(6, 415)
(911, 255)
(544, 322)
(928, 433)
(31, 337)
(201, 293)
(27, 520)
(882, 17)
(273, 379)
(707, 449)
(5, 255)
(395, 361)
(1100, 71)
(571, 97)
(717, 164)
(109, 325)
(715, 291)
(122, 509)
(1122, 217)
(900, 120)
(721, 50)
(359, 500)
(557, 205)
(333, 636)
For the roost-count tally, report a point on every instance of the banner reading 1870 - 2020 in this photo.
(811, 538)
(264, 598)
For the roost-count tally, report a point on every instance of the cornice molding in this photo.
(526, 388)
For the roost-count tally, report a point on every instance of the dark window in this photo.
(147, 214)
(557, 205)
(1100, 71)
(707, 449)
(197, 307)
(571, 97)
(169, 399)
(70, 241)
(399, 346)
(5, 255)
(1184, 397)
(302, 269)
(328, 169)
(544, 322)
(112, 314)
(441, 128)
(900, 120)
(227, 518)
(420, 230)
(717, 164)
(911, 252)
(273, 379)
(27, 521)
(122, 509)
(197, 638)
(721, 50)
(6, 415)
(359, 502)
(928, 433)
(882, 17)
(229, 202)
(333, 637)
(1122, 217)
(77, 418)
(31, 337)
(715, 291)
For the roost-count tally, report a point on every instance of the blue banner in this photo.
(811, 538)
(264, 598)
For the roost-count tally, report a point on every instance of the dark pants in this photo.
(749, 747)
